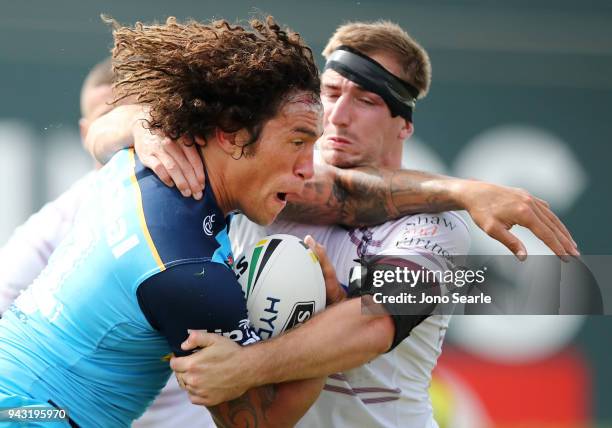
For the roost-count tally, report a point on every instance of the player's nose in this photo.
(304, 166)
(340, 111)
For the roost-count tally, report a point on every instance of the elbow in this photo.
(90, 143)
(381, 332)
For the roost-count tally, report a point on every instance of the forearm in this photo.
(368, 196)
(340, 338)
(114, 131)
(279, 405)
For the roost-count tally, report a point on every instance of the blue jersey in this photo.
(141, 266)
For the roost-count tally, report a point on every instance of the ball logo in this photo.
(207, 224)
(301, 313)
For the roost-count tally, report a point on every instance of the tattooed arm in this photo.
(354, 197)
(367, 196)
(279, 405)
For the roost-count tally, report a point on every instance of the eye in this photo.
(330, 95)
(367, 101)
(298, 143)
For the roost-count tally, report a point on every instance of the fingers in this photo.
(173, 162)
(503, 235)
(174, 171)
(199, 401)
(545, 209)
(181, 170)
(153, 163)
(183, 381)
(192, 154)
(558, 230)
(333, 290)
(542, 230)
(198, 339)
(180, 381)
(535, 214)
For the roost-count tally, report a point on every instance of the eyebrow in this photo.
(306, 131)
(359, 89)
(331, 85)
(363, 91)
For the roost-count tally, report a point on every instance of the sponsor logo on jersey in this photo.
(207, 224)
(243, 334)
(430, 220)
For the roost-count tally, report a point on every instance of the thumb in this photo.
(514, 244)
(198, 339)
(333, 290)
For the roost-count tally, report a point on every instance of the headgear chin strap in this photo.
(400, 96)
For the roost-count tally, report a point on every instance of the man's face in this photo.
(282, 159)
(358, 127)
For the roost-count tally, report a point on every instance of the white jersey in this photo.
(27, 251)
(173, 409)
(392, 389)
(26, 254)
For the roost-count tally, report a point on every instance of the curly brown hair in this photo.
(197, 77)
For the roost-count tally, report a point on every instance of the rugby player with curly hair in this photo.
(143, 264)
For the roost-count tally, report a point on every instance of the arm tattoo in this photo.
(366, 196)
(415, 191)
(247, 411)
(365, 192)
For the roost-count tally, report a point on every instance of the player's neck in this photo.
(390, 161)
(215, 173)
(391, 158)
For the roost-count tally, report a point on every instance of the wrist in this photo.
(459, 191)
(256, 366)
(137, 120)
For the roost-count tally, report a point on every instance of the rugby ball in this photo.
(283, 283)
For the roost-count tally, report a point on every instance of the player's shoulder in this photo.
(177, 228)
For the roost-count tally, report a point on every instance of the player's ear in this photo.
(406, 130)
(83, 127)
(231, 143)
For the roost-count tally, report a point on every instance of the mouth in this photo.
(281, 199)
(339, 140)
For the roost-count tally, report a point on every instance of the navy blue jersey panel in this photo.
(181, 228)
(197, 296)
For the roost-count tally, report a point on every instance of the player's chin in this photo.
(340, 159)
(278, 203)
(270, 210)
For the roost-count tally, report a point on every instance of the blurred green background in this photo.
(521, 95)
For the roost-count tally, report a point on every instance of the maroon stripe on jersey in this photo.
(338, 376)
(338, 389)
(367, 389)
(354, 239)
(378, 400)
